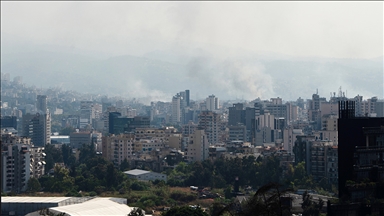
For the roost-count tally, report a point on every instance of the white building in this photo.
(212, 103)
(79, 206)
(176, 111)
(144, 175)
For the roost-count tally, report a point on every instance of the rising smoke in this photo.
(231, 78)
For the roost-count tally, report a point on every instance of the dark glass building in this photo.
(360, 154)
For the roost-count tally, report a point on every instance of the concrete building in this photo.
(119, 124)
(197, 149)
(79, 138)
(209, 121)
(215, 152)
(237, 133)
(289, 138)
(379, 109)
(212, 103)
(41, 103)
(38, 127)
(189, 128)
(8, 121)
(329, 122)
(87, 114)
(323, 161)
(236, 114)
(144, 175)
(20, 161)
(116, 148)
(176, 111)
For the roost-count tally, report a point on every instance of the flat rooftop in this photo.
(96, 206)
(136, 172)
(23, 199)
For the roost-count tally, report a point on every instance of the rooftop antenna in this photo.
(317, 91)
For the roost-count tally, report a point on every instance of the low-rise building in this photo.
(144, 175)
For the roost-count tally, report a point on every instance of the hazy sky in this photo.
(327, 29)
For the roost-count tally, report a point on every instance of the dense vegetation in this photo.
(251, 173)
(92, 175)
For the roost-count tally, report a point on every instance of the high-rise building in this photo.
(87, 113)
(20, 161)
(37, 127)
(176, 111)
(41, 103)
(209, 121)
(212, 103)
(8, 121)
(320, 157)
(360, 153)
(236, 114)
(187, 97)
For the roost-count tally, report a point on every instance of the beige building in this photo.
(168, 136)
(79, 138)
(329, 108)
(116, 148)
(289, 138)
(329, 123)
(197, 149)
(210, 122)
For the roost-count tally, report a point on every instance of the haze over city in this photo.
(235, 50)
(192, 108)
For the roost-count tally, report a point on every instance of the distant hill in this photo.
(160, 74)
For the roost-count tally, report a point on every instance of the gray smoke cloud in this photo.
(231, 78)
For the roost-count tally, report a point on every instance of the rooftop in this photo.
(96, 206)
(24, 199)
(136, 172)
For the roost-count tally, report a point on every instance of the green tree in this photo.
(124, 166)
(185, 210)
(33, 185)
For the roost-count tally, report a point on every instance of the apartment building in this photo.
(210, 122)
(20, 161)
(197, 149)
(116, 148)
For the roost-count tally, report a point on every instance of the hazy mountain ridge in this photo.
(249, 77)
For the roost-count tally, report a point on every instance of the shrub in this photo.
(140, 186)
(183, 197)
(92, 193)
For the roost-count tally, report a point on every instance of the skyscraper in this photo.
(38, 128)
(212, 103)
(176, 111)
(210, 122)
(41, 103)
(187, 96)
